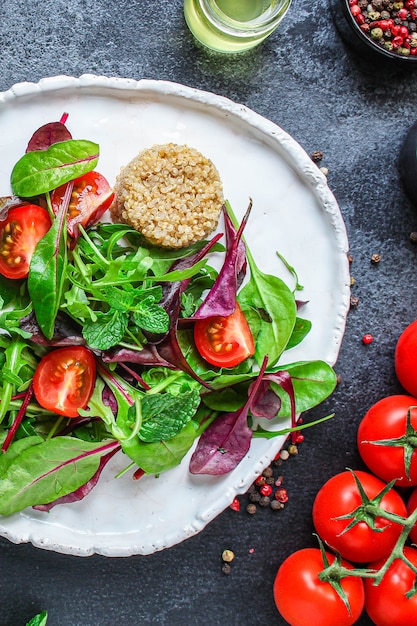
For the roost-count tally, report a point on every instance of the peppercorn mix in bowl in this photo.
(380, 30)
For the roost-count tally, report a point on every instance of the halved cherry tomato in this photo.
(91, 197)
(224, 341)
(20, 232)
(64, 380)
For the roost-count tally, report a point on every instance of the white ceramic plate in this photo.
(293, 213)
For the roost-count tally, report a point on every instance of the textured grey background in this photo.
(306, 80)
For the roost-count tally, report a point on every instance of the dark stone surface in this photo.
(306, 80)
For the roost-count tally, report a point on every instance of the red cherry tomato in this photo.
(406, 360)
(64, 380)
(387, 420)
(340, 496)
(386, 603)
(301, 597)
(224, 341)
(411, 507)
(91, 197)
(20, 233)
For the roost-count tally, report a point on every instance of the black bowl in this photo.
(407, 164)
(361, 43)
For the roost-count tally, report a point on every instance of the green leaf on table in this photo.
(40, 171)
(38, 620)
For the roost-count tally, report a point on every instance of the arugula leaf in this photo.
(41, 171)
(164, 415)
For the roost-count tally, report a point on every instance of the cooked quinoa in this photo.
(170, 193)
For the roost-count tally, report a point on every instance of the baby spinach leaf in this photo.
(44, 472)
(157, 457)
(47, 272)
(164, 415)
(43, 170)
(301, 328)
(313, 382)
(276, 308)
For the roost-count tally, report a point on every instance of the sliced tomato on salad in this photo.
(91, 197)
(64, 380)
(20, 233)
(224, 341)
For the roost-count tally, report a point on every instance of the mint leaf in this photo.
(164, 415)
(152, 318)
(107, 330)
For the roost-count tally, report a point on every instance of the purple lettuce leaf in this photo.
(171, 291)
(82, 491)
(227, 439)
(221, 299)
(147, 356)
(48, 134)
(66, 333)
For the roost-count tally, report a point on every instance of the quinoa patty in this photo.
(170, 193)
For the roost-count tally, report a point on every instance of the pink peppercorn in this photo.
(265, 490)
(355, 10)
(367, 339)
(402, 14)
(281, 495)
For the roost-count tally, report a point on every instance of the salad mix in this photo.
(109, 344)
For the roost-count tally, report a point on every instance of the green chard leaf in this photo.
(43, 472)
(40, 171)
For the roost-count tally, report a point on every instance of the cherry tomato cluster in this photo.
(366, 522)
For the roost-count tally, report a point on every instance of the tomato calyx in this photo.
(370, 510)
(334, 572)
(408, 442)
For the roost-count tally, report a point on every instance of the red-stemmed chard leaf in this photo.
(227, 439)
(84, 490)
(221, 299)
(50, 133)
